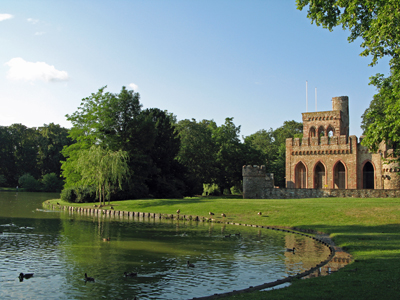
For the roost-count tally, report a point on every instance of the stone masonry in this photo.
(327, 158)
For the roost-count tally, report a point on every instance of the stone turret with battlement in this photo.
(255, 181)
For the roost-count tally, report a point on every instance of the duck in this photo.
(190, 265)
(23, 276)
(130, 274)
(237, 234)
(111, 207)
(178, 211)
(259, 213)
(223, 215)
(211, 213)
(88, 278)
(228, 236)
(290, 250)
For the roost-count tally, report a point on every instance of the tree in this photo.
(229, 157)
(197, 151)
(272, 145)
(102, 168)
(51, 140)
(376, 22)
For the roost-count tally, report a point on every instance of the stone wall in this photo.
(272, 193)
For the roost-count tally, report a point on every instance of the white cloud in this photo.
(133, 86)
(29, 71)
(39, 33)
(33, 21)
(5, 17)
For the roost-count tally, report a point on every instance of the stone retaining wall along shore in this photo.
(129, 214)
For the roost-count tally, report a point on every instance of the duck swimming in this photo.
(190, 265)
(23, 276)
(88, 278)
(130, 274)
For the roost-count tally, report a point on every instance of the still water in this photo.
(59, 248)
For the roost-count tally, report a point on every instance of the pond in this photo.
(60, 247)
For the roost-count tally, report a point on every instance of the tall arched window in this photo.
(300, 176)
(339, 176)
(312, 132)
(368, 176)
(319, 176)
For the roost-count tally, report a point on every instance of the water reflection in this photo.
(59, 248)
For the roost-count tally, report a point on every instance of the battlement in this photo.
(254, 171)
(332, 144)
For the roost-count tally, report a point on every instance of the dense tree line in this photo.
(164, 157)
(117, 150)
(33, 154)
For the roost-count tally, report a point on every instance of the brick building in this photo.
(327, 157)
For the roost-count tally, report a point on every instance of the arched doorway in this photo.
(339, 176)
(368, 176)
(319, 176)
(300, 176)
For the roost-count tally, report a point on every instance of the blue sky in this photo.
(200, 59)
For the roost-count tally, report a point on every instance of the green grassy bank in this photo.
(369, 229)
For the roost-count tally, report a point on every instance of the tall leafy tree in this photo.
(272, 145)
(102, 168)
(52, 138)
(197, 151)
(376, 23)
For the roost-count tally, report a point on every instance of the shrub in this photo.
(79, 194)
(28, 182)
(211, 190)
(51, 183)
(3, 180)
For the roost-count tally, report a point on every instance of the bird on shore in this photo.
(211, 213)
(178, 211)
(290, 249)
(190, 265)
(259, 213)
(223, 215)
(88, 278)
(23, 276)
(130, 274)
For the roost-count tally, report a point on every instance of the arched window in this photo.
(319, 176)
(300, 176)
(368, 176)
(321, 132)
(331, 131)
(312, 132)
(339, 176)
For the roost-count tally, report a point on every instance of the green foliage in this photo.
(211, 190)
(79, 194)
(51, 183)
(29, 183)
(104, 169)
(3, 180)
(272, 145)
(376, 22)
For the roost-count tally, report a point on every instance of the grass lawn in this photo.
(369, 229)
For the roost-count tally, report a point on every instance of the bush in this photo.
(51, 183)
(28, 182)
(68, 194)
(3, 180)
(211, 190)
(79, 194)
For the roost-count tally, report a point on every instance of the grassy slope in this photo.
(369, 229)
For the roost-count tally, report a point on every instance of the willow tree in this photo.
(103, 169)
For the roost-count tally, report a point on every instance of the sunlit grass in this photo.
(369, 229)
